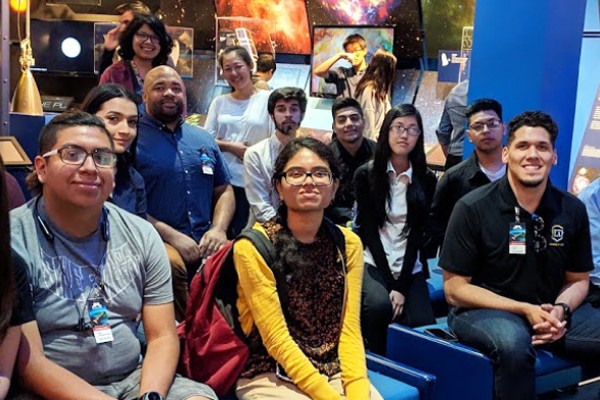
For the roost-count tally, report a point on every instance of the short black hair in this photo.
(355, 38)
(344, 102)
(266, 63)
(287, 93)
(158, 27)
(483, 105)
(532, 119)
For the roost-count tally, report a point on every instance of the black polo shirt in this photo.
(454, 184)
(341, 210)
(477, 243)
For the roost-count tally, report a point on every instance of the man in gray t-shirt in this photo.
(94, 270)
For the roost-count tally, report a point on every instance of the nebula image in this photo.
(287, 18)
(360, 12)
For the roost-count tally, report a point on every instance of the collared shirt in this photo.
(130, 191)
(590, 196)
(180, 170)
(451, 130)
(477, 242)
(454, 184)
(394, 236)
(340, 211)
(259, 161)
(345, 80)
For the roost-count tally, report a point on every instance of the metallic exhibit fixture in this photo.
(26, 99)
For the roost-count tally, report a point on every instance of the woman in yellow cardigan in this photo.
(304, 332)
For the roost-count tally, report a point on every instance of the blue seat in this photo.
(463, 372)
(394, 381)
(435, 284)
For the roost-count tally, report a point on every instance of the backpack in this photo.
(213, 346)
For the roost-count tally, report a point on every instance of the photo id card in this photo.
(98, 314)
(517, 241)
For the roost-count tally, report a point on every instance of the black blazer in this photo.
(417, 212)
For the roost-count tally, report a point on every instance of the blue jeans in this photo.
(506, 338)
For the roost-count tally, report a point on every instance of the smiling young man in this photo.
(486, 131)
(516, 262)
(286, 107)
(351, 150)
(94, 269)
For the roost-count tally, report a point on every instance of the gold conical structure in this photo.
(26, 99)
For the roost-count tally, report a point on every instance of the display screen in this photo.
(63, 46)
(404, 15)
(328, 41)
(287, 18)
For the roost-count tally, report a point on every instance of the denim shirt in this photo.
(180, 170)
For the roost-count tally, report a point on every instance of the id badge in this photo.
(517, 241)
(98, 314)
(207, 169)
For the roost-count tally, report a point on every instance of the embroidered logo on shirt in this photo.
(557, 235)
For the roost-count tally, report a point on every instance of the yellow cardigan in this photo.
(258, 304)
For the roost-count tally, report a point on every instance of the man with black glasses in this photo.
(516, 262)
(94, 270)
(483, 166)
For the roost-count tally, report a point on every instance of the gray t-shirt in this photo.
(134, 269)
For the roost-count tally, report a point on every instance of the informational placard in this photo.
(587, 164)
(453, 65)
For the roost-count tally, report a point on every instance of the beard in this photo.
(287, 127)
(166, 116)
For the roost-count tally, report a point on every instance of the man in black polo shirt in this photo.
(516, 259)
(484, 165)
(351, 150)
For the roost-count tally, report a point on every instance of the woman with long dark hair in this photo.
(374, 91)
(15, 299)
(238, 120)
(144, 44)
(118, 108)
(303, 331)
(393, 195)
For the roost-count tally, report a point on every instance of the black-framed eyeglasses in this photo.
(539, 241)
(297, 177)
(480, 126)
(400, 129)
(75, 155)
(144, 36)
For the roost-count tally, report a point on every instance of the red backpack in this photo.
(213, 346)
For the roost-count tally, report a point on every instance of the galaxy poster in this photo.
(288, 19)
(404, 15)
(329, 40)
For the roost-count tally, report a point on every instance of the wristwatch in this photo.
(566, 312)
(151, 396)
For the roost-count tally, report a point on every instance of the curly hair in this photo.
(533, 119)
(159, 29)
(290, 259)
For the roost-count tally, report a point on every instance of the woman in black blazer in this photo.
(393, 195)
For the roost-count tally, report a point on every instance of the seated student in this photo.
(15, 300)
(119, 110)
(94, 269)
(305, 337)
(393, 194)
(351, 150)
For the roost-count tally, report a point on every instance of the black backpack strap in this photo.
(338, 236)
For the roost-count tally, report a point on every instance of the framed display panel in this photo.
(63, 46)
(288, 21)
(251, 33)
(328, 41)
(404, 15)
(12, 152)
(183, 49)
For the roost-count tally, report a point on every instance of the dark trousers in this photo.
(376, 308)
(240, 216)
(506, 338)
